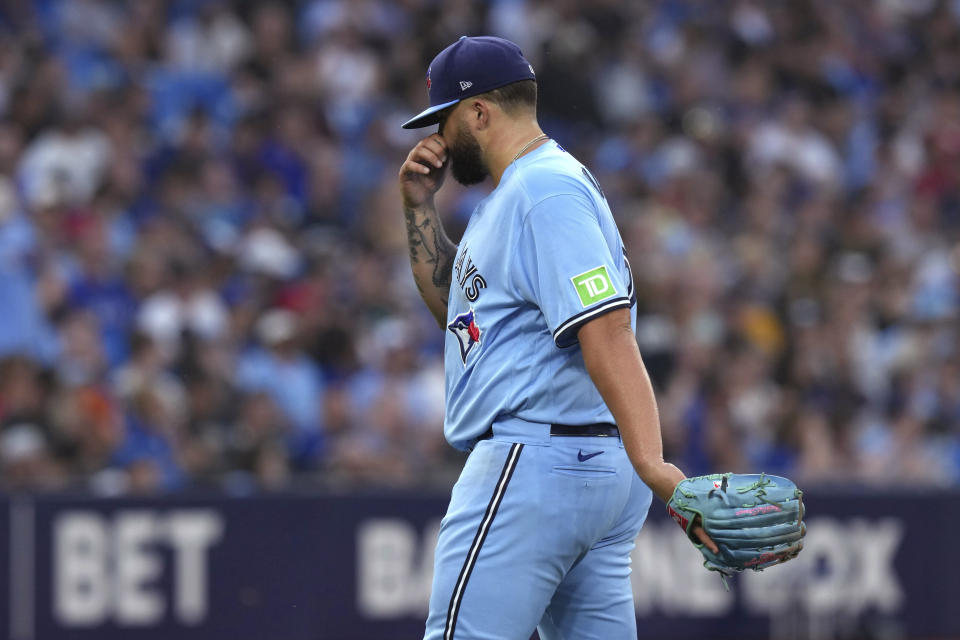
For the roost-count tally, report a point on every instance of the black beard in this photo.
(466, 160)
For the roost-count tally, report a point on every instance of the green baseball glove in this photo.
(755, 519)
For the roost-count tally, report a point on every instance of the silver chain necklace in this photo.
(540, 137)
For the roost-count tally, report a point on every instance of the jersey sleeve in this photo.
(566, 266)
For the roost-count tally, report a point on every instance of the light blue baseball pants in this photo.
(538, 534)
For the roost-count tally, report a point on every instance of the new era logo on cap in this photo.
(489, 62)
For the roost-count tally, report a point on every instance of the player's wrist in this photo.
(419, 205)
(662, 477)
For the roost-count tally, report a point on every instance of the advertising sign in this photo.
(358, 567)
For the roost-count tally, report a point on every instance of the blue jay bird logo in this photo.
(465, 328)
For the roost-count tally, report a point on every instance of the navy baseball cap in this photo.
(469, 67)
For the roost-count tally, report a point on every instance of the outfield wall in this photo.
(352, 567)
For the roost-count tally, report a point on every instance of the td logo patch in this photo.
(593, 286)
(465, 328)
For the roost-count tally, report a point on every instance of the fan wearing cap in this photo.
(544, 381)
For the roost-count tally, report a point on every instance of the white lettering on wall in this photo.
(394, 568)
(847, 566)
(110, 567)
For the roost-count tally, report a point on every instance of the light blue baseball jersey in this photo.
(541, 255)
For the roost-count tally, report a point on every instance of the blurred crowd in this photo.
(203, 269)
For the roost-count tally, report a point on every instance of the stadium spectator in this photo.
(203, 277)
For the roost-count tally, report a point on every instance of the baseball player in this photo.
(544, 381)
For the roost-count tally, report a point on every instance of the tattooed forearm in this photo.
(416, 233)
(431, 258)
(445, 251)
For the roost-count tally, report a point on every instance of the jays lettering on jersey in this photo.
(541, 256)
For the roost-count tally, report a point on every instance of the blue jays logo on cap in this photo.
(468, 67)
(465, 328)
